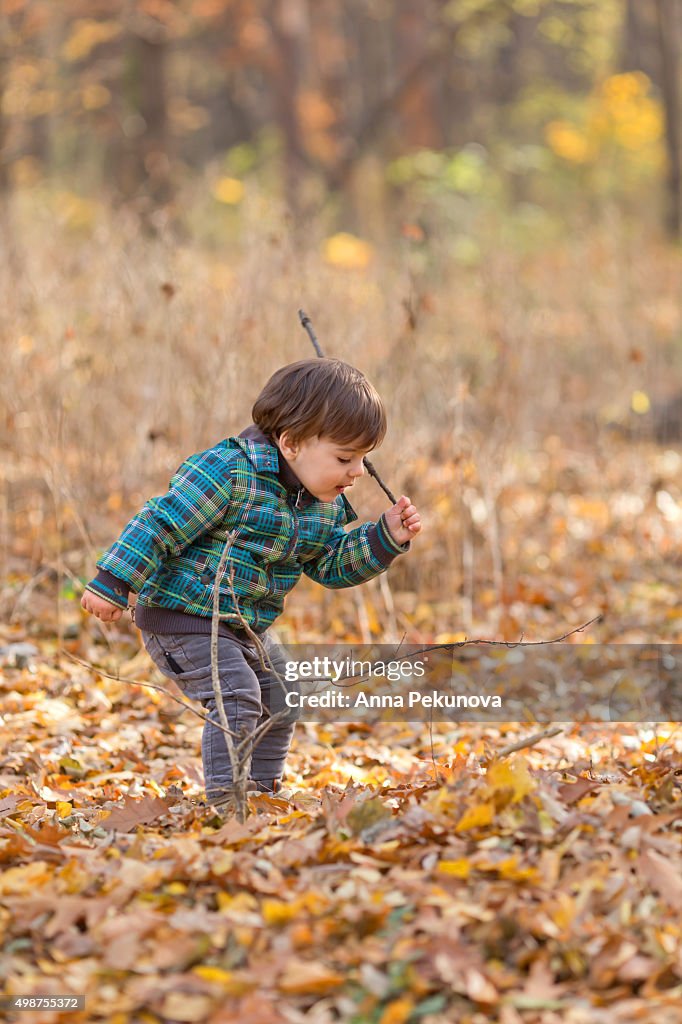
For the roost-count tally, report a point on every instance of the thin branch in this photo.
(436, 773)
(529, 741)
(135, 682)
(510, 644)
(240, 769)
(369, 466)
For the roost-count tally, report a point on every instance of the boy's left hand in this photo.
(403, 520)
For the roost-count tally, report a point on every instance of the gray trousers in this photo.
(251, 694)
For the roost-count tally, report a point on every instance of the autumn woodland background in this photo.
(478, 203)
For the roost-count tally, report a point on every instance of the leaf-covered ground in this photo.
(411, 876)
(407, 878)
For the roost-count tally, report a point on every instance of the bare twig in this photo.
(308, 327)
(510, 644)
(135, 682)
(436, 773)
(529, 741)
(240, 766)
(240, 753)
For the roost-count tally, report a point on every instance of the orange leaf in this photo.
(307, 977)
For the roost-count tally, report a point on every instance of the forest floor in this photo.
(415, 873)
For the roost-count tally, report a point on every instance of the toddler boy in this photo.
(278, 490)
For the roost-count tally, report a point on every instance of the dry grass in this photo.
(123, 353)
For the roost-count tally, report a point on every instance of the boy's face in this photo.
(325, 467)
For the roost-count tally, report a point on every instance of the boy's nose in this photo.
(358, 469)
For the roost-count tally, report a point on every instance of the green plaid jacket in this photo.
(169, 552)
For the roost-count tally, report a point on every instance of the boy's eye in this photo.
(345, 461)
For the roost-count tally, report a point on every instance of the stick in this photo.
(307, 326)
(240, 765)
(529, 741)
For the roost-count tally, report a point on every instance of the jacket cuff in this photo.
(384, 548)
(110, 587)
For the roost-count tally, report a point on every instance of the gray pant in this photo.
(251, 694)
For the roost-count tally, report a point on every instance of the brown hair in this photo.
(321, 397)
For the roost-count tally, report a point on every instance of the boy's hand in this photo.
(403, 520)
(104, 610)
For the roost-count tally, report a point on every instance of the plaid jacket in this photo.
(169, 552)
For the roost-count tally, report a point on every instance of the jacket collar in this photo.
(261, 450)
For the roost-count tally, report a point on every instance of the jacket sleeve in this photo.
(354, 557)
(197, 500)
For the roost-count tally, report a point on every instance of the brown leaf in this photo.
(662, 876)
(571, 792)
(133, 813)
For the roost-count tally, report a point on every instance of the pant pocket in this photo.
(168, 654)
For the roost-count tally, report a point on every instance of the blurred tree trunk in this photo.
(640, 44)
(633, 37)
(150, 62)
(669, 13)
(146, 162)
(287, 27)
(417, 105)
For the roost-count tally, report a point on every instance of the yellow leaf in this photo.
(347, 251)
(176, 888)
(512, 775)
(239, 903)
(276, 912)
(640, 402)
(567, 141)
(86, 35)
(457, 868)
(508, 868)
(209, 973)
(64, 808)
(564, 910)
(303, 977)
(229, 191)
(481, 814)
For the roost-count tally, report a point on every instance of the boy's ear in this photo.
(288, 448)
